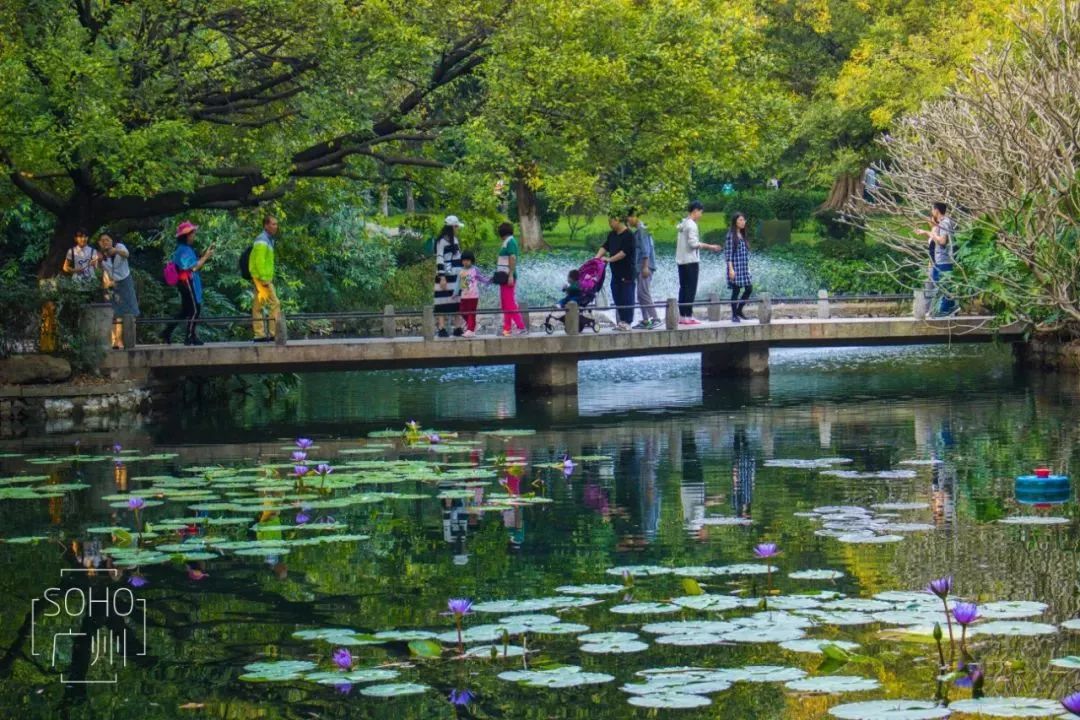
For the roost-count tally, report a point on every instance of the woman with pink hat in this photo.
(188, 264)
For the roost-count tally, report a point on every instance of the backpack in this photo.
(171, 274)
(244, 263)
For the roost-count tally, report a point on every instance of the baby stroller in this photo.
(590, 282)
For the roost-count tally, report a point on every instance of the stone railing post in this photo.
(671, 314)
(128, 332)
(389, 322)
(765, 308)
(525, 317)
(714, 307)
(823, 304)
(572, 320)
(281, 330)
(921, 304)
(427, 323)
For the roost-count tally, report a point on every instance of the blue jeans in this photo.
(622, 293)
(942, 303)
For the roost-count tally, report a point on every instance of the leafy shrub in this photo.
(848, 268)
(23, 300)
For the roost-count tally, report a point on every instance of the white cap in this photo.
(453, 221)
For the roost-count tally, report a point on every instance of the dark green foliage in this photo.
(848, 267)
(21, 322)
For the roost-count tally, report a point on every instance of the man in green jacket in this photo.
(261, 267)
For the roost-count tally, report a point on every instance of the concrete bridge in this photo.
(548, 363)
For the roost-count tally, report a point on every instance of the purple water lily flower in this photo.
(1072, 703)
(434, 438)
(117, 448)
(299, 456)
(302, 517)
(136, 503)
(766, 550)
(459, 607)
(323, 469)
(304, 443)
(343, 687)
(300, 470)
(972, 674)
(966, 613)
(137, 581)
(461, 697)
(343, 658)
(940, 587)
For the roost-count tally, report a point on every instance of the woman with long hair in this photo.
(506, 279)
(737, 255)
(447, 267)
(188, 264)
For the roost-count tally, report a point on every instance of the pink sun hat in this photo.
(186, 227)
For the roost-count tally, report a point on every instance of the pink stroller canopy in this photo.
(591, 275)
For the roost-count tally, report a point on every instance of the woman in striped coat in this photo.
(447, 267)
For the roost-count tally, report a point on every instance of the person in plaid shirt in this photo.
(737, 255)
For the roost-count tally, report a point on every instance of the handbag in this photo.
(502, 269)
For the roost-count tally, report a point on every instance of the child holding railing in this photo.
(469, 280)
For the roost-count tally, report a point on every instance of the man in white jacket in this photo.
(687, 258)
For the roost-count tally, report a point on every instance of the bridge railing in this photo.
(394, 323)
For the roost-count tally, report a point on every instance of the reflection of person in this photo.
(514, 520)
(650, 491)
(455, 520)
(943, 478)
(743, 467)
(692, 490)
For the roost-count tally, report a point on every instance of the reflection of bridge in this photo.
(549, 362)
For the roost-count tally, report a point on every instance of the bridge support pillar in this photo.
(547, 375)
(741, 359)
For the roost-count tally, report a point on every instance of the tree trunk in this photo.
(844, 186)
(384, 201)
(532, 235)
(410, 199)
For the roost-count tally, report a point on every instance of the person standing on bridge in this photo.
(447, 267)
(618, 252)
(940, 235)
(737, 257)
(506, 278)
(687, 256)
(188, 265)
(261, 267)
(646, 268)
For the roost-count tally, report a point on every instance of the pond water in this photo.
(873, 470)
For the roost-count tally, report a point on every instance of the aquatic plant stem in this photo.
(952, 642)
(460, 642)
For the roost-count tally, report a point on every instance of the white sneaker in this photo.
(623, 327)
(468, 333)
(522, 331)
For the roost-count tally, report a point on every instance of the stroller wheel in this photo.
(549, 328)
(595, 326)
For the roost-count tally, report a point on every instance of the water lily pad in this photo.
(603, 637)
(714, 603)
(922, 615)
(901, 506)
(669, 701)
(501, 652)
(1073, 624)
(746, 569)
(770, 673)
(645, 608)
(839, 617)
(25, 539)
(816, 575)
(1013, 629)
(777, 634)
(721, 521)
(561, 677)
(594, 589)
(1008, 609)
(689, 627)
(1070, 662)
(815, 646)
(1012, 707)
(793, 602)
(276, 671)
(890, 710)
(1034, 520)
(363, 675)
(404, 635)
(869, 539)
(698, 571)
(698, 639)
(614, 647)
(533, 605)
(766, 620)
(639, 570)
(833, 684)
(858, 604)
(394, 690)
